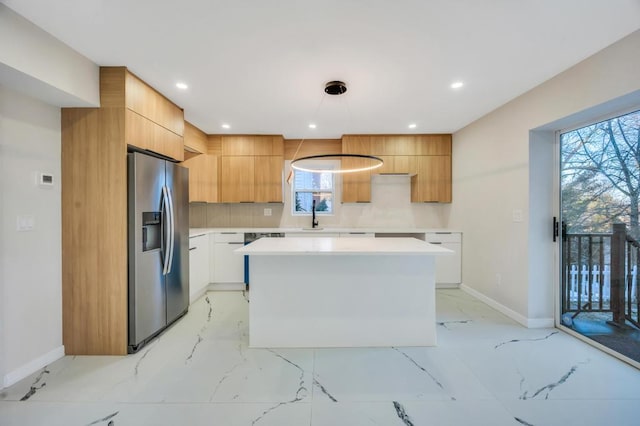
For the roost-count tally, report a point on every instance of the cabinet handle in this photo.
(235, 243)
(444, 233)
(357, 233)
(435, 243)
(229, 233)
(245, 202)
(192, 248)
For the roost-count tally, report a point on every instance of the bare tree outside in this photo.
(600, 175)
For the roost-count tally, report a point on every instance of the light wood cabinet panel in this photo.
(94, 231)
(268, 179)
(138, 131)
(203, 178)
(268, 145)
(168, 143)
(356, 144)
(399, 144)
(214, 144)
(237, 179)
(356, 187)
(237, 145)
(388, 165)
(432, 183)
(195, 140)
(311, 147)
(143, 99)
(433, 145)
(120, 88)
(377, 145)
(145, 134)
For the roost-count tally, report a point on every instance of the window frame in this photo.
(325, 164)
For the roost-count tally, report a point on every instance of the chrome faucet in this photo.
(314, 221)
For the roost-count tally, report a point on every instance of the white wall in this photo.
(35, 63)
(30, 262)
(496, 170)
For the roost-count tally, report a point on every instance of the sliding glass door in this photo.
(600, 212)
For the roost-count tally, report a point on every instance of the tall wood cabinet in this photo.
(94, 205)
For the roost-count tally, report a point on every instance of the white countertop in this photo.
(194, 232)
(341, 246)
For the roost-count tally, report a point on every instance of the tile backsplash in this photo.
(390, 206)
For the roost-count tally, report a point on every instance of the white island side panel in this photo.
(342, 301)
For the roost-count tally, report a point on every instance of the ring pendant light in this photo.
(335, 88)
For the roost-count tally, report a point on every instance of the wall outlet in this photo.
(267, 212)
(25, 223)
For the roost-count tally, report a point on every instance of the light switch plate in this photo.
(517, 215)
(267, 212)
(25, 223)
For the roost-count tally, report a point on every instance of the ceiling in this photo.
(261, 65)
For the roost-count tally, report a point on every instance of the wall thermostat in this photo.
(46, 179)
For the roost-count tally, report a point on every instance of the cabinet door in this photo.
(143, 99)
(268, 179)
(198, 265)
(228, 267)
(356, 187)
(268, 145)
(448, 267)
(195, 140)
(203, 178)
(237, 179)
(237, 145)
(432, 183)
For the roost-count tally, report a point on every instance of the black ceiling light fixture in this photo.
(368, 162)
(335, 88)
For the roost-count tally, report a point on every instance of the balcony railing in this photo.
(600, 274)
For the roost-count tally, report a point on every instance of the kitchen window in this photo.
(309, 186)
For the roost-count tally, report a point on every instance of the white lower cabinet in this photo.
(227, 267)
(198, 265)
(448, 268)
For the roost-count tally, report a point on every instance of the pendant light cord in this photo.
(315, 115)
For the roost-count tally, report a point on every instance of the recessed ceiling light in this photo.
(312, 126)
(226, 126)
(181, 85)
(457, 84)
(413, 125)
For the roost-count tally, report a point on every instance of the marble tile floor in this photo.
(486, 370)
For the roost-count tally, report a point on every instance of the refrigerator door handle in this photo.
(166, 231)
(172, 231)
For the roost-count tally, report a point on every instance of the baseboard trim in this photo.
(521, 319)
(31, 367)
(198, 294)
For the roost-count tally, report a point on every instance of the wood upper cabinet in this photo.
(152, 122)
(432, 182)
(195, 140)
(251, 168)
(237, 179)
(356, 187)
(252, 145)
(268, 179)
(203, 178)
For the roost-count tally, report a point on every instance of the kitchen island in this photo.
(341, 292)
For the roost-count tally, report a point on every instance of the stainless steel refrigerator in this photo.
(158, 234)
